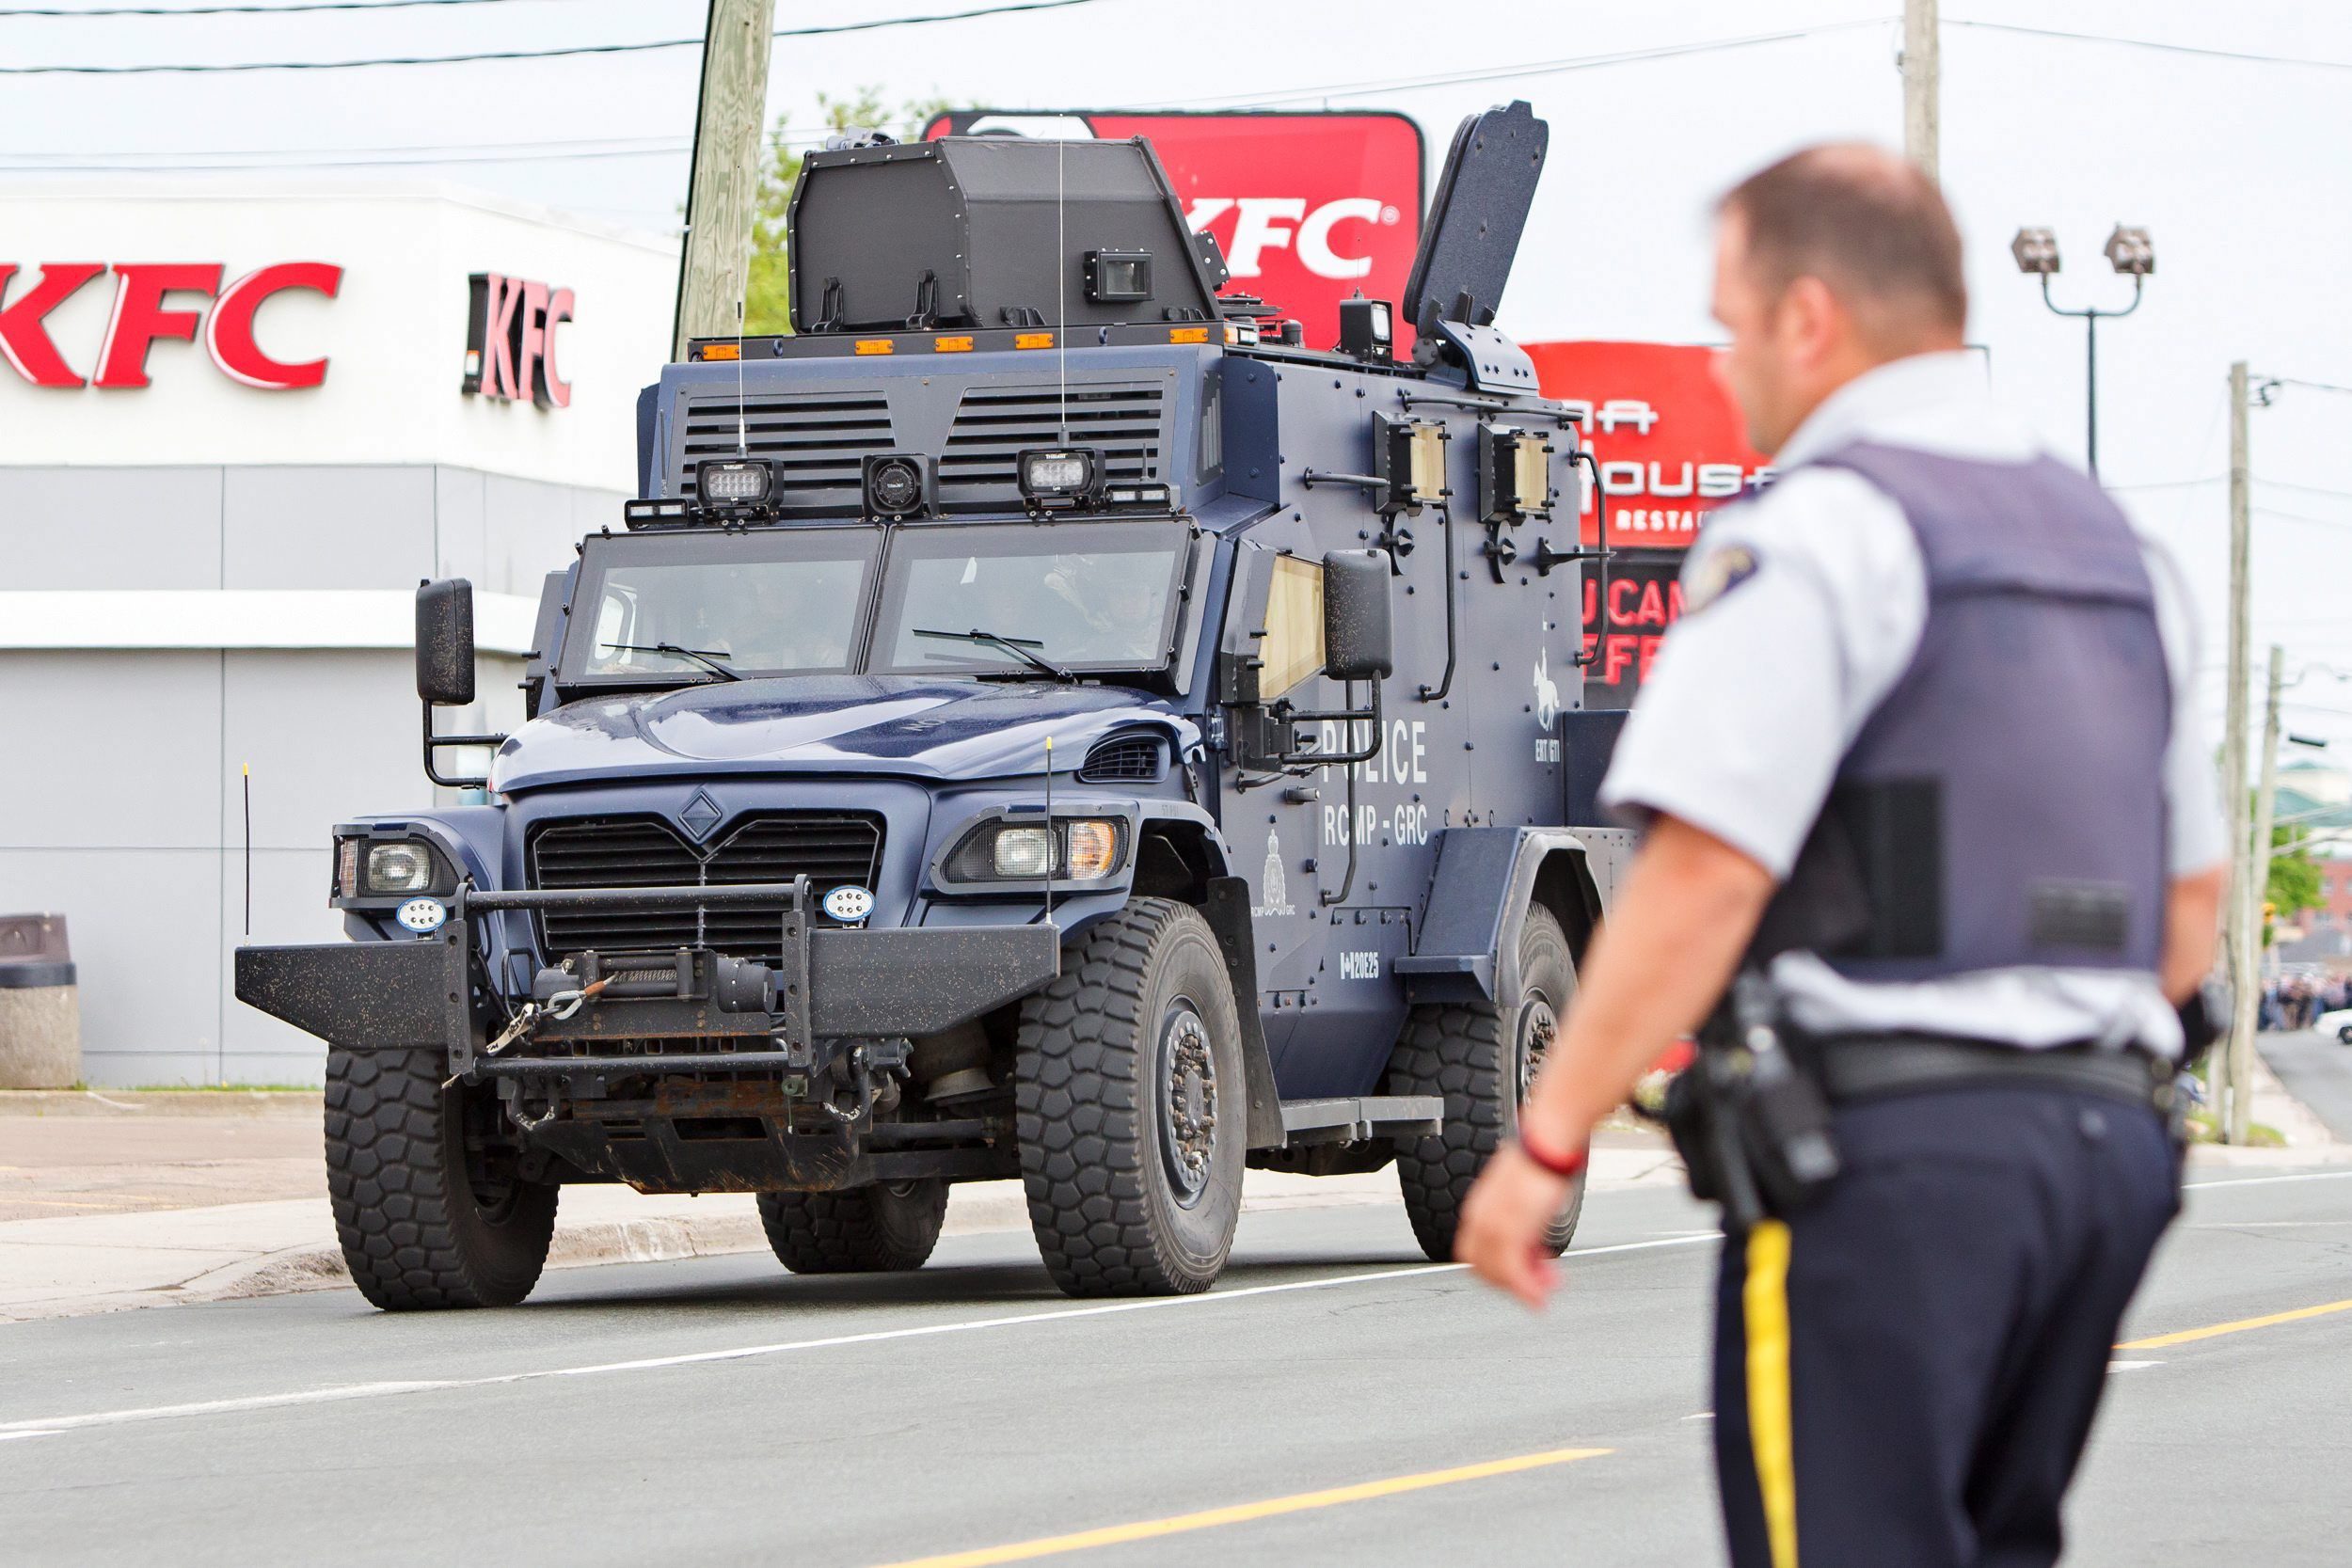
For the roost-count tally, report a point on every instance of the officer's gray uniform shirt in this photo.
(1803, 610)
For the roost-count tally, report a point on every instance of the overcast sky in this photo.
(2241, 169)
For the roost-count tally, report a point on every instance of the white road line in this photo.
(337, 1392)
(2270, 1181)
(45, 1432)
(2131, 1366)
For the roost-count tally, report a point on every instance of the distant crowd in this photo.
(2297, 1001)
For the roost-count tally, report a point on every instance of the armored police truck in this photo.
(1039, 719)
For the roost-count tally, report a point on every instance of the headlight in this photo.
(1082, 850)
(1021, 852)
(1059, 476)
(733, 481)
(399, 867)
(347, 868)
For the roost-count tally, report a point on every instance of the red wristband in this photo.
(1563, 1166)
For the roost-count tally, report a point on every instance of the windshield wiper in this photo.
(1019, 647)
(707, 658)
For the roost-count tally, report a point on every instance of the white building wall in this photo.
(281, 535)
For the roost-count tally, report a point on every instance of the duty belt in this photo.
(1865, 1067)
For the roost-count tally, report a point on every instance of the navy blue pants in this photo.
(1906, 1370)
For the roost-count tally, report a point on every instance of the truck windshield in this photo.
(772, 603)
(1077, 595)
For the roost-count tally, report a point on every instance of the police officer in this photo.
(1920, 758)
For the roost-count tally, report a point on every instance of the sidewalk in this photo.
(116, 1201)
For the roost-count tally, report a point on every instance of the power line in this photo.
(183, 69)
(2304, 517)
(62, 13)
(1539, 68)
(556, 150)
(2152, 43)
(2313, 386)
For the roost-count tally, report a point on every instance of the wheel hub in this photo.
(1188, 1102)
(1538, 1024)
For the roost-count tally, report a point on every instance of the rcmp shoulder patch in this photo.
(1717, 572)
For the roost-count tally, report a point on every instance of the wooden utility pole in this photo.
(723, 180)
(1923, 70)
(2244, 932)
(2265, 802)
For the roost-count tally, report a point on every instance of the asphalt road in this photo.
(2317, 1070)
(720, 1411)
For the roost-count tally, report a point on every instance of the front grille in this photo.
(994, 425)
(1124, 759)
(817, 442)
(832, 850)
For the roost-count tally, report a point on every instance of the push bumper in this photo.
(832, 984)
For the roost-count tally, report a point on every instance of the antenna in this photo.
(742, 435)
(742, 439)
(1053, 841)
(1061, 315)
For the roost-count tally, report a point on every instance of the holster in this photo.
(1750, 1122)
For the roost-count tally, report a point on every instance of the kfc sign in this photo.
(1670, 444)
(510, 341)
(1307, 208)
(155, 300)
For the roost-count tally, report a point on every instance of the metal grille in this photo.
(832, 850)
(816, 440)
(1124, 759)
(993, 424)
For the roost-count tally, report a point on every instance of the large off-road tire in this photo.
(1481, 1057)
(874, 1230)
(1132, 1109)
(418, 1229)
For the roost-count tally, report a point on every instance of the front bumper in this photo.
(836, 983)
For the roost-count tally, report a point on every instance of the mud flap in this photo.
(1228, 915)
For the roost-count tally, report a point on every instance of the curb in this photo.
(162, 1102)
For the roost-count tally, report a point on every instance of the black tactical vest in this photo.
(2004, 806)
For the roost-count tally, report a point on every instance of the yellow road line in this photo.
(1053, 1546)
(2186, 1335)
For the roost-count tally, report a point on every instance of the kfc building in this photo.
(237, 427)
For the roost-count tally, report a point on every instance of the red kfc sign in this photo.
(1309, 208)
(1670, 443)
(155, 300)
(510, 340)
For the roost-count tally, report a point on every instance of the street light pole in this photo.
(2131, 253)
(2090, 318)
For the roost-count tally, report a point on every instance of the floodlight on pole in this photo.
(2133, 255)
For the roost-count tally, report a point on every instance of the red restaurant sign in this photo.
(1308, 208)
(1670, 442)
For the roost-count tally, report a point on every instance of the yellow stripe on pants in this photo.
(1764, 1304)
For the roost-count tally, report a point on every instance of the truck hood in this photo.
(908, 725)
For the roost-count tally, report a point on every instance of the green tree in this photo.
(767, 299)
(2294, 876)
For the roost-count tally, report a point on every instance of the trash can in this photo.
(40, 1010)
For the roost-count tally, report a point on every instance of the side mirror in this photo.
(445, 643)
(1359, 639)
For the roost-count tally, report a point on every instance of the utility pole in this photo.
(2244, 982)
(723, 180)
(1922, 82)
(2265, 802)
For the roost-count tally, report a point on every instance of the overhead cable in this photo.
(560, 51)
